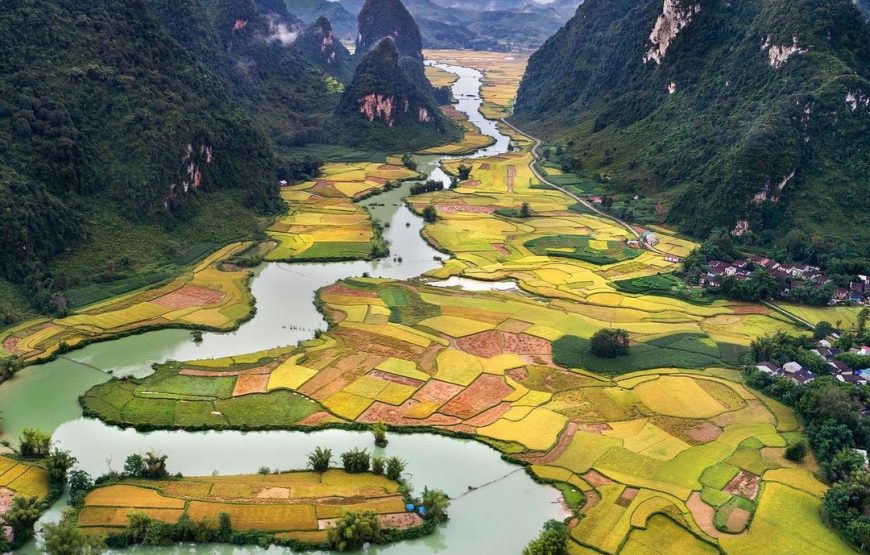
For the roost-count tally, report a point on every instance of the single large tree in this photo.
(610, 343)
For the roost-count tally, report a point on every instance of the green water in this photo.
(497, 508)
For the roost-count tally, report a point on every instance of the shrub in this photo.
(21, 517)
(354, 529)
(320, 459)
(436, 503)
(379, 430)
(34, 443)
(57, 464)
(356, 461)
(430, 215)
(395, 467)
(796, 451)
(378, 465)
(464, 172)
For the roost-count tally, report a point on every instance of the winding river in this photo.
(496, 507)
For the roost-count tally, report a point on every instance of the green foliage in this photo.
(378, 465)
(733, 128)
(57, 464)
(34, 443)
(21, 516)
(80, 483)
(356, 461)
(796, 451)
(430, 215)
(354, 529)
(760, 285)
(844, 508)
(464, 172)
(842, 465)
(65, 538)
(553, 245)
(552, 540)
(379, 430)
(320, 459)
(436, 502)
(822, 330)
(395, 467)
(151, 466)
(610, 343)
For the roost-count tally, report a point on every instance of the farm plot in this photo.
(212, 295)
(322, 222)
(280, 503)
(18, 478)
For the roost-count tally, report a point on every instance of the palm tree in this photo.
(320, 459)
(436, 503)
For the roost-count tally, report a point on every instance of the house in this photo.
(633, 244)
(792, 368)
(802, 377)
(673, 259)
(854, 379)
(767, 367)
(839, 367)
(650, 238)
(864, 350)
(283, 183)
(825, 344)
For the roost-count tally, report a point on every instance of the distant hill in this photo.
(751, 116)
(319, 44)
(343, 21)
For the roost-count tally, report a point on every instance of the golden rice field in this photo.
(472, 140)
(212, 295)
(299, 505)
(20, 479)
(322, 222)
(663, 442)
(440, 78)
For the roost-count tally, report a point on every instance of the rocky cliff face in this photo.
(379, 19)
(319, 45)
(382, 106)
(746, 116)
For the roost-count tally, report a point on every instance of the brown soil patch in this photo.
(382, 412)
(514, 326)
(556, 451)
(190, 296)
(745, 484)
(380, 344)
(274, 493)
(628, 495)
(489, 416)
(501, 249)
(738, 520)
(485, 392)
(488, 344)
(595, 428)
(314, 419)
(454, 208)
(6, 498)
(10, 345)
(518, 374)
(321, 380)
(471, 183)
(596, 479)
(704, 433)
(251, 383)
(401, 520)
(437, 391)
(342, 290)
(703, 515)
(427, 360)
(394, 378)
(378, 180)
(484, 166)
(748, 309)
(592, 499)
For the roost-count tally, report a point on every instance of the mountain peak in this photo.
(388, 18)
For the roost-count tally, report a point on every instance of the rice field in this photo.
(213, 295)
(288, 504)
(322, 222)
(18, 478)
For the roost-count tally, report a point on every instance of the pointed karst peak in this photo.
(389, 18)
(322, 25)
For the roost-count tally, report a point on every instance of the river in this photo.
(501, 516)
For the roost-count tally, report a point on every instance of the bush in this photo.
(356, 461)
(430, 215)
(610, 343)
(320, 459)
(378, 465)
(796, 451)
(57, 464)
(379, 430)
(34, 443)
(355, 529)
(395, 467)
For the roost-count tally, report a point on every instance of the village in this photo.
(790, 275)
(797, 373)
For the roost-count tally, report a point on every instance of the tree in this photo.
(436, 503)
(134, 466)
(354, 529)
(525, 210)
(863, 316)
(822, 330)
(796, 451)
(842, 465)
(21, 517)
(155, 466)
(320, 459)
(610, 343)
(430, 215)
(57, 464)
(225, 525)
(9, 366)
(34, 443)
(379, 430)
(356, 461)
(464, 172)
(843, 508)
(829, 438)
(378, 465)
(80, 483)
(64, 538)
(408, 162)
(395, 467)
(552, 540)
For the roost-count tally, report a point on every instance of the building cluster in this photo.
(741, 270)
(795, 372)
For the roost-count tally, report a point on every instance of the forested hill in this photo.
(132, 132)
(750, 116)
